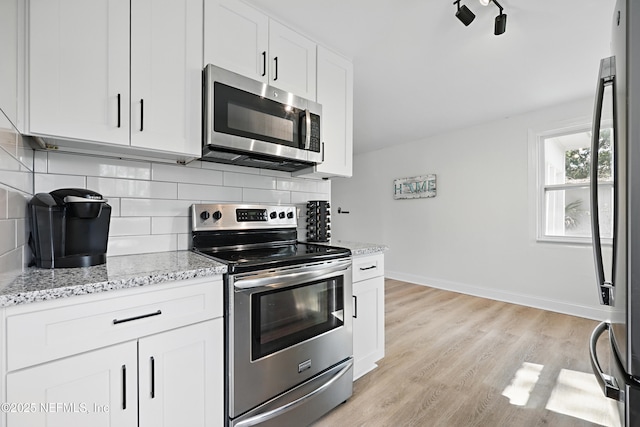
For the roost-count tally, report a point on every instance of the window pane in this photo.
(567, 158)
(567, 212)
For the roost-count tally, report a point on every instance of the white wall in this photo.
(150, 201)
(477, 235)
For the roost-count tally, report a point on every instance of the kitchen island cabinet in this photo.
(368, 313)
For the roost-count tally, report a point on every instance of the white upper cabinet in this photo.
(166, 75)
(80, 72)
(292, 60)
(242, 39)
(79, 69)
(236, 38)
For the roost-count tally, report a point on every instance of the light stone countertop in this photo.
(359, 248)
(119, 272)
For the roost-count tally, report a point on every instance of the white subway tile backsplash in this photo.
(170, 225)
(233, 179)
(129, 226)
(252, 195)
(151, 207)
(293, 184)
(126, 245)
(40, 161)
(8, 232)
(64, 163)
(112, 187)
(150, 202)
(171, 173)
(12, 262)
(209, 192)
(18, 180)
(304, 197)
(4, 200)
(45, 183)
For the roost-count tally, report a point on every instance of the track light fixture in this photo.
(501, 20)
(464, 14)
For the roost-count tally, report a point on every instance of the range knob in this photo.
(204, 215)
(289, 215)
(281, 215)
(217, 215)
(273, 215)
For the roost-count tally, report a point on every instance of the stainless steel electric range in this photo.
(288, 314)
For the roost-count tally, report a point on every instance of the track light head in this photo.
(464, 14)
(501, 24)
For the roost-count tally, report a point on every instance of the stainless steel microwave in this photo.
(250, 123)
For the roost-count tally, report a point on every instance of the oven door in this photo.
(286, 326)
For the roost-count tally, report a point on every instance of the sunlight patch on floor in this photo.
(523, 383)
(578, 395)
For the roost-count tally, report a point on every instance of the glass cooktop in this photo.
(275, 256)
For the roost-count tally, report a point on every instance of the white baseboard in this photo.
(600, 314)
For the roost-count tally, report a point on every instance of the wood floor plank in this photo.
(458, 360)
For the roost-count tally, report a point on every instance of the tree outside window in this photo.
(566, 178)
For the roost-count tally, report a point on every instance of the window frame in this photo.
(542, 188)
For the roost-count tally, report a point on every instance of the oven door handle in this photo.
(300, 275)
(265, 416)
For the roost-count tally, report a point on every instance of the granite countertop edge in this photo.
(360, 248)
(119, 272)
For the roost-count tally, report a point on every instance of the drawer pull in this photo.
(355, 306)
(153, 377)
(368, 268)
(142, 316)
(124, 386)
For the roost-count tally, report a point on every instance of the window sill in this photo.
(583, 241)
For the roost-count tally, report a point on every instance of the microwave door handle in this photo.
(307, 138)
(606, 77)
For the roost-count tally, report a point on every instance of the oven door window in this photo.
(284, 317)
(244, 114)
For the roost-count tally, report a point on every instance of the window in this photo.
(563, 198)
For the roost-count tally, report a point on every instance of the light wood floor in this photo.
(457, 360)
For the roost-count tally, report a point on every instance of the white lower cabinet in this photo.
(168, 369)
(97, 388)
(368, 313)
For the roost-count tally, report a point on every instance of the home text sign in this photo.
(414, 188)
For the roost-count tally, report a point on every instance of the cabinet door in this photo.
(335, 93)
(166, 75)
(292, 61)
(97, 389)
(79, 69)
(368, 325)
(181, 377)
(236, 38)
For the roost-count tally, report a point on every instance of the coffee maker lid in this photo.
(75, 195)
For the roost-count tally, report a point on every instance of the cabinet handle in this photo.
(264, 63)
(355, 306)
(367, 268)
(141, 115)
(118, 110)
(142, 316)
(153, 377)
(124, 387)
(276, 76)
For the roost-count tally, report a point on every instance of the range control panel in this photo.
(230, 216)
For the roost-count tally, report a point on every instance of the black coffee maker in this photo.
(69, 228)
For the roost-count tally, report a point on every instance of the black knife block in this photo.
(318, 221)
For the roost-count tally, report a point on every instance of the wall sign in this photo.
(414, 188)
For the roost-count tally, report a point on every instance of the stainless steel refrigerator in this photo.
(619, 286)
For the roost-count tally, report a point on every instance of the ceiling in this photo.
(418, 71)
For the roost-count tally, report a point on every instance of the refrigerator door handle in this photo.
(606, 77)
(607, 383)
